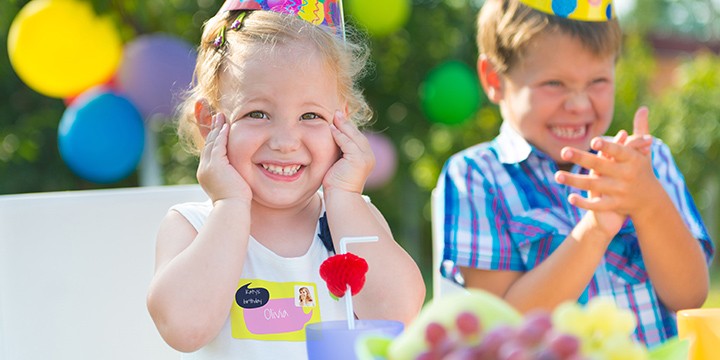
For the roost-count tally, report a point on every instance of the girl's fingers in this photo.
(218, 122)
(351, 131)
(342, 140)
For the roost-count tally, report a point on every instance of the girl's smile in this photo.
(281, 107)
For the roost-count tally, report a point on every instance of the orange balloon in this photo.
(60, 48)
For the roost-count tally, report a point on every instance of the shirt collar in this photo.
(512, 148)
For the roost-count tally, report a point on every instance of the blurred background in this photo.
(135, 57)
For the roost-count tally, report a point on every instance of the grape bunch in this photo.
(534, 339)
(605, 330)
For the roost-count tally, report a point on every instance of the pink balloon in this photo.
(385, 160)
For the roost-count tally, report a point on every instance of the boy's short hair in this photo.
(507, 27)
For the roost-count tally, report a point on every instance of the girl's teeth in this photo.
(282, 170)
(569, 132)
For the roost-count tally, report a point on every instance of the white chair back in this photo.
(75, 269)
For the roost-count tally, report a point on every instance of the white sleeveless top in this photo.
(267, 320)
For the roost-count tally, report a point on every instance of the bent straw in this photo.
(348, 292)
(342, 20)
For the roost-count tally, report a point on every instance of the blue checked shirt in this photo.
(504, 211)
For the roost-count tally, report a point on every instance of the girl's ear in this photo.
(203, 117)
(490, 79)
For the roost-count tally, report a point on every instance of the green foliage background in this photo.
(686, 115)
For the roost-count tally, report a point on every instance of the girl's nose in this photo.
(285, 137)
(577, 101)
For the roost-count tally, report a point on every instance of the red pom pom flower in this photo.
(343, 270)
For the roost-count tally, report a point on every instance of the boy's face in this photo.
(559, 94)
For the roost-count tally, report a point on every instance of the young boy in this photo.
(550, 211)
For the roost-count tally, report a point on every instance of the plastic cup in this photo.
(702, 328)
(332, 340)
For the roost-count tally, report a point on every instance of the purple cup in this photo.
(332, 340)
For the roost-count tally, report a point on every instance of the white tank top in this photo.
(267, 319)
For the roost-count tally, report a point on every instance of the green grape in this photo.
(620, 347)
(604, 329)
(608, 318)
(570, 318)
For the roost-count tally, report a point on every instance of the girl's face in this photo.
(303, 292)
(280, 102)
(559, 94)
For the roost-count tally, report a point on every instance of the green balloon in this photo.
(451, 93)
(380, 17)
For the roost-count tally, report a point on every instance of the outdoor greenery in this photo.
(686, 114)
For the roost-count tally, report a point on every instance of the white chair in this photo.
(441, 285)
(74, 272)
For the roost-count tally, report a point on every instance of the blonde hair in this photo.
(346, 59)
(507, 27)
(308, 296)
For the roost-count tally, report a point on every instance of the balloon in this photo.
(101, 136)
(385, 160)
(451, 93)
(380, 17)
(108, 86)
(60, 48)
(154, 71)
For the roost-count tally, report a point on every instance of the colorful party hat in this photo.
(582, 10)
(318, 12)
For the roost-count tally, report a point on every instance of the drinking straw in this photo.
(348, 292)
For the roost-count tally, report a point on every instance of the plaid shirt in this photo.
(504, 211)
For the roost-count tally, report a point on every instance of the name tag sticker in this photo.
(276, 311)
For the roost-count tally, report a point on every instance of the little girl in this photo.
(272, 115)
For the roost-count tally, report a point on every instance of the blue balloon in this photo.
(101, 137)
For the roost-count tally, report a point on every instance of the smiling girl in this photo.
(273, 116)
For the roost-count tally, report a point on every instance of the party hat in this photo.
(582, 10)
(318, 12)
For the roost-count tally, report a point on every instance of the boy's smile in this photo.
(558, 94)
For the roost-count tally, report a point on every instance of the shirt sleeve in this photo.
(195, 212)
(673, 182)
(475, 215)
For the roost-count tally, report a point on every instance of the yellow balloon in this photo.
(60, 48)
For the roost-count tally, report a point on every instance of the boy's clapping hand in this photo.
(621, 181)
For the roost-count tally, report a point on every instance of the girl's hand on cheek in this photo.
(216, 175)
(356, 161)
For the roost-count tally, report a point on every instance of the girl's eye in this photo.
(310, 116)
(553, 83)
(256, 115)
